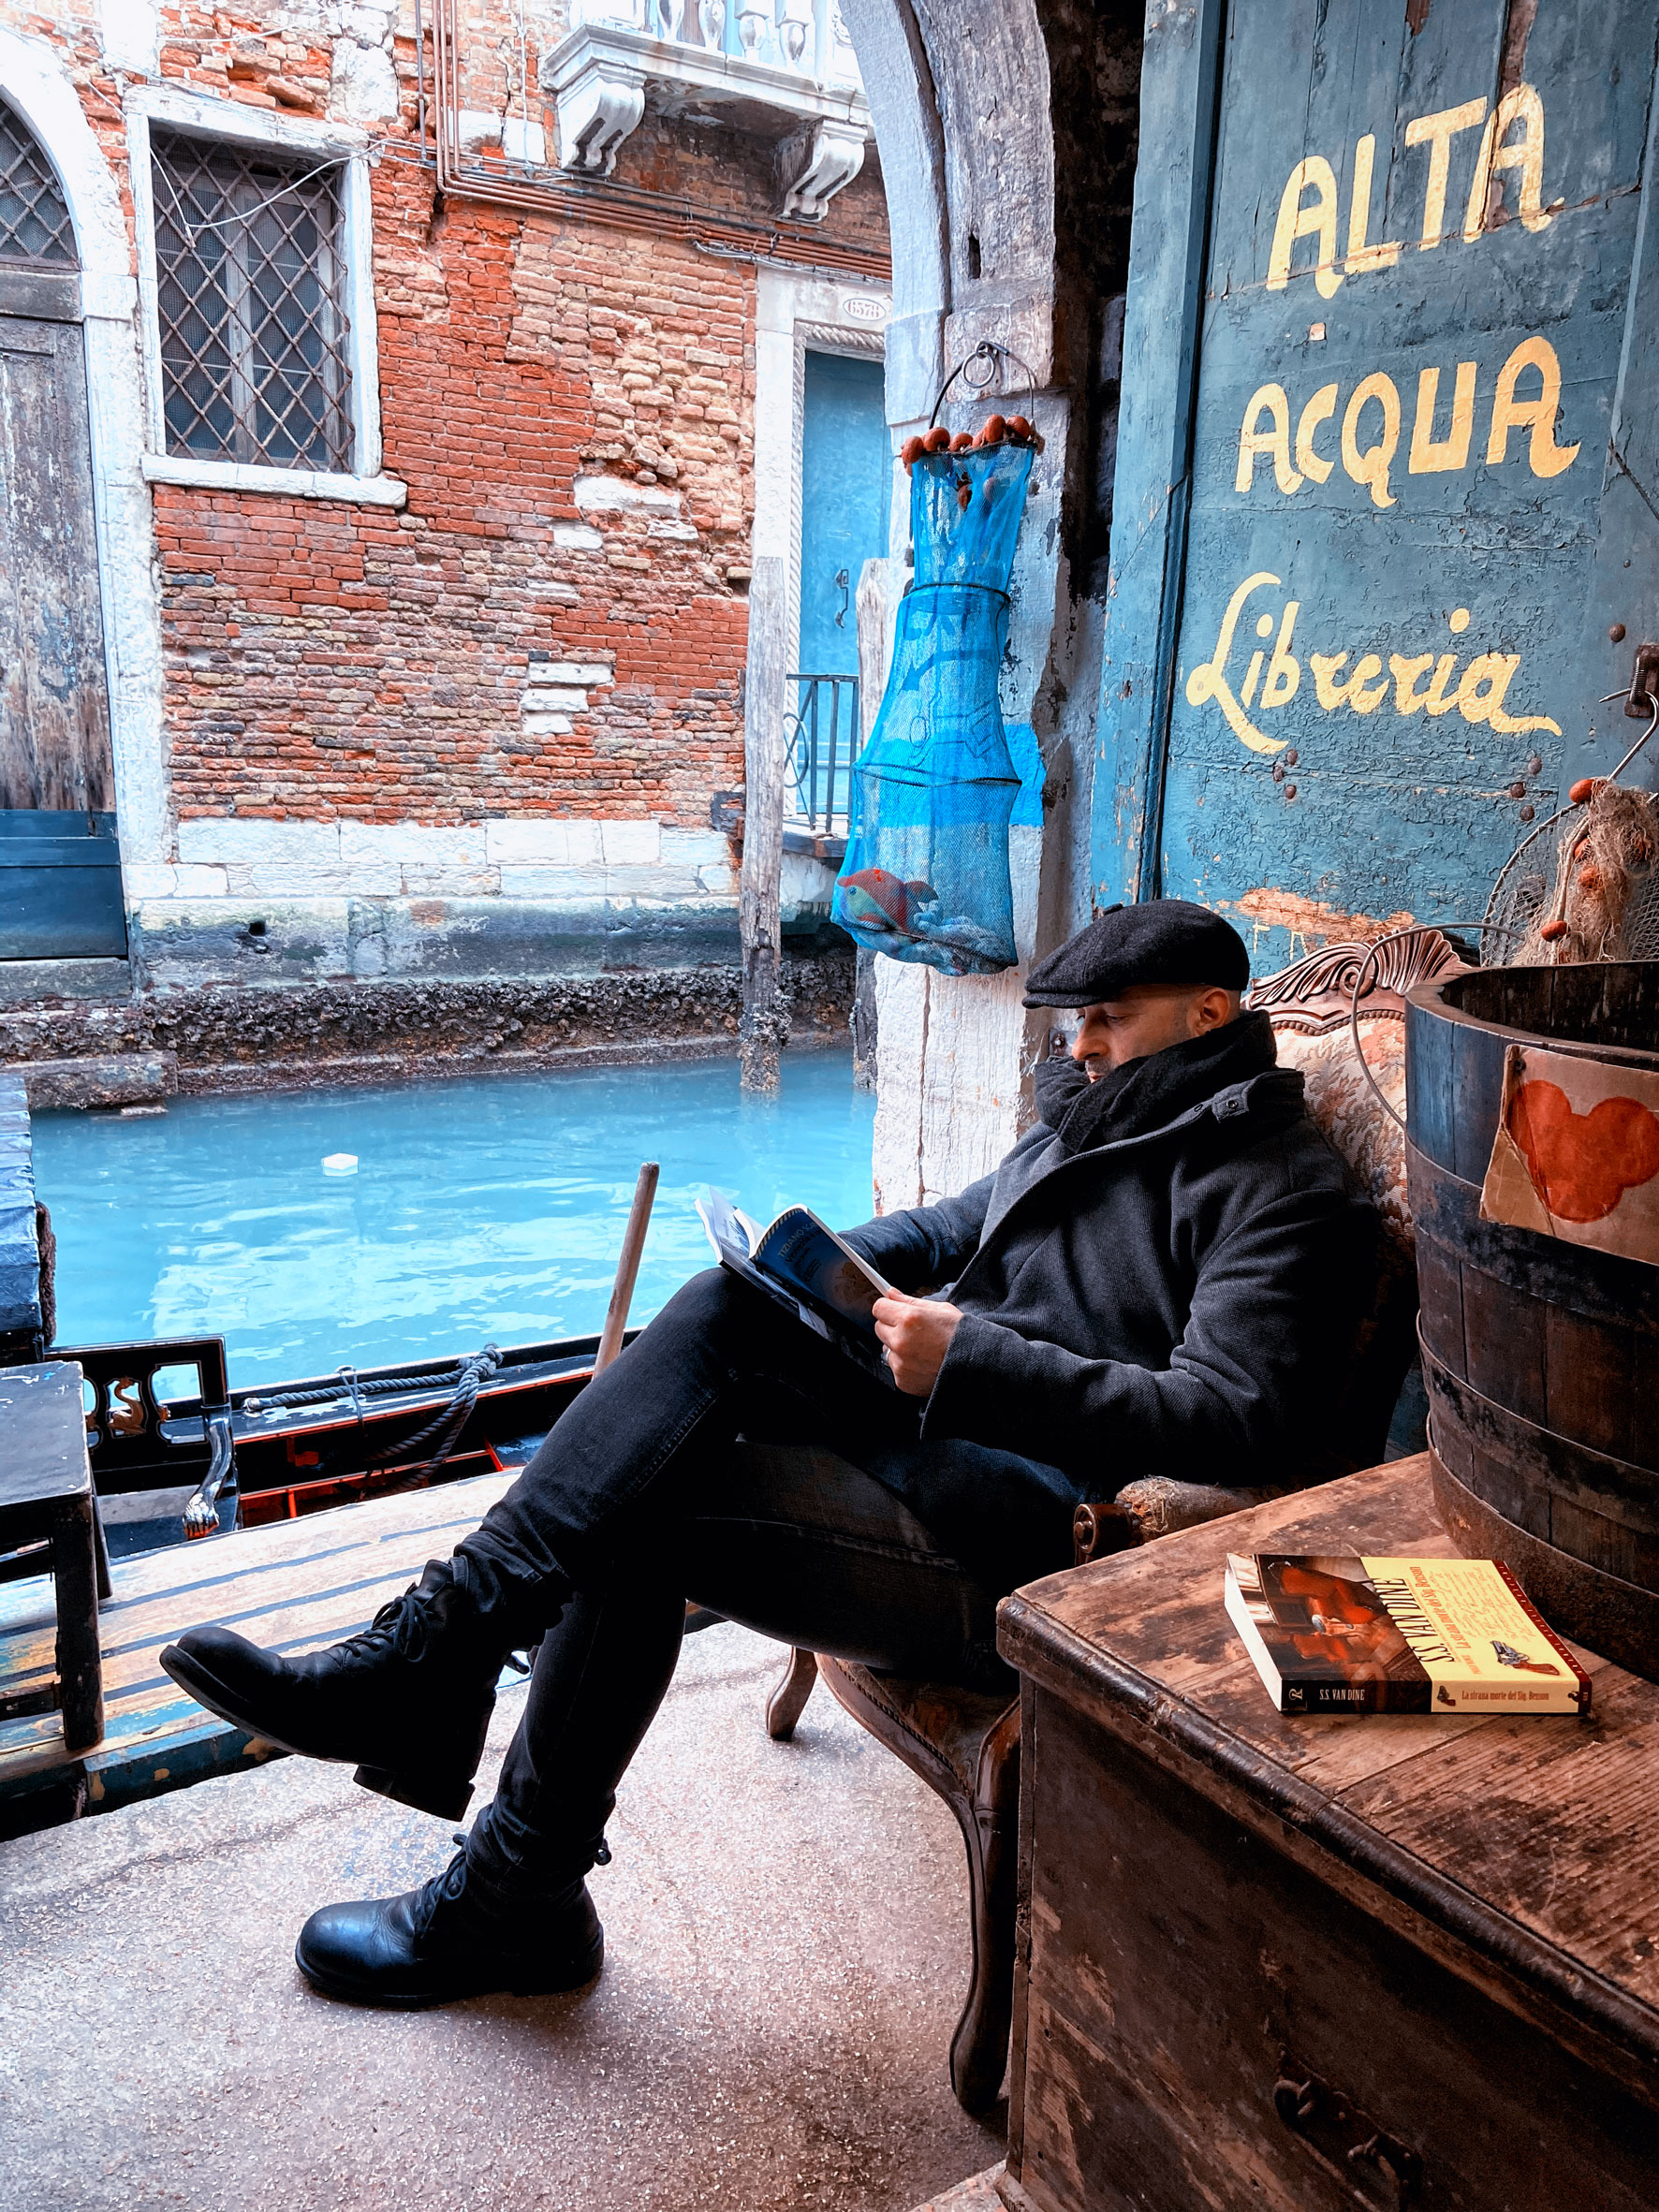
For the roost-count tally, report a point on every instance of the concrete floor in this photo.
(787, 1945)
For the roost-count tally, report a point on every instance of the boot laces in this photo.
(442, 1889)
(397, 1631)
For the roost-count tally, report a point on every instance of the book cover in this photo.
(800, 1263)
(1347, 1634)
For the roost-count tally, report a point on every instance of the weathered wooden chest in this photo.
(1303, 1965)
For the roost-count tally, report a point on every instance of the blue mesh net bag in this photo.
(926, 872)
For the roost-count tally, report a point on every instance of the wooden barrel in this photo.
(1541, 1358)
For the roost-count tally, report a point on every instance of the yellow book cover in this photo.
(1362, 1635)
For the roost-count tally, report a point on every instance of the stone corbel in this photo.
(596, 112)
(816, 164)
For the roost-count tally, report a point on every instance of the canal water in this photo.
(481, 1208)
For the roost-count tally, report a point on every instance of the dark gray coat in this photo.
(1163, 1276)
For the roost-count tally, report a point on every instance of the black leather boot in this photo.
(408, 1701)
(453, 1937)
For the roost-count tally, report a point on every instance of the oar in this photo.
(627, 1267)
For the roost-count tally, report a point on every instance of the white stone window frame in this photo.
(231, 121)
(797, 313)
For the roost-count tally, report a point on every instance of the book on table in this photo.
(800, 1263)
(1346, 1634)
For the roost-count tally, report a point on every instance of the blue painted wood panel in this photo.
(1390, 606)
(844, 480)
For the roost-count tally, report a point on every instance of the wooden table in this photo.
(1302, 1965)
(46, 1495)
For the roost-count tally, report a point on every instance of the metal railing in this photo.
(808, 37)
(821, 737)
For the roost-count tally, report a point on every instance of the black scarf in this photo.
(1145, 1094)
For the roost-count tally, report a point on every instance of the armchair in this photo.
(964, 1743)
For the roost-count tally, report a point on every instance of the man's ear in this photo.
(1211, 1009)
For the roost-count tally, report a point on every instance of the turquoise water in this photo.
(489, 1208)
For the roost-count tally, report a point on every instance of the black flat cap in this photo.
(1165, 941)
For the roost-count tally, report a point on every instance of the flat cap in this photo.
(1161, 941)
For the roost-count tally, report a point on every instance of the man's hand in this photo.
(917, 1333)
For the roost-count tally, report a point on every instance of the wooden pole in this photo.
(627, 1267)
(766, 1016)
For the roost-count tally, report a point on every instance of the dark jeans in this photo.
(830, 1525)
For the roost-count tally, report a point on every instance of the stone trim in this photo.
(38, 85)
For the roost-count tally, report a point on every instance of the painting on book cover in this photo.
(1322, 1622)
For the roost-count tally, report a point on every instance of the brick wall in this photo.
(569, 410)
(363, 700)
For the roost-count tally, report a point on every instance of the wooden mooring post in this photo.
(766, 1015)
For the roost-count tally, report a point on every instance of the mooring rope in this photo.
(463, 1382)
(446, 1426)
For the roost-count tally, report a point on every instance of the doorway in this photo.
(844, 480)
(60, 866)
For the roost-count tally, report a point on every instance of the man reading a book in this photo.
(1161, 1278)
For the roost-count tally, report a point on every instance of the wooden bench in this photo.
(292, 1585)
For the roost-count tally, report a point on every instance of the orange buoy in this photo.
(1584, 788)
(961, 443)
(1551, 930)
(910, 453)
(937, 440)
(993, 431)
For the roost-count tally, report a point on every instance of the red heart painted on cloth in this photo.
(1581, 1164)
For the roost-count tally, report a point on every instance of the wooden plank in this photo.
(1151, 483)
(1554, 1826)
(42, 1443)
(291, 1585)
(55, 712)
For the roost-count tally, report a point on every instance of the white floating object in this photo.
(340, 1164)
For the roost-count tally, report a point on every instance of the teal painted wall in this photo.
(1387, 352)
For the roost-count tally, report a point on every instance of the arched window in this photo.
(35, 223)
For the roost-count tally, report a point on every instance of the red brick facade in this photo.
(329, 661)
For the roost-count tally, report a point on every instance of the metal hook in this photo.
(992, 355)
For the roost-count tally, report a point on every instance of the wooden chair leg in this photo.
(81, 1667)
(101, 1553)
(787, 1702)
(980, 2047)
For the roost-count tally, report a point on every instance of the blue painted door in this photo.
(1408, 534)
(845, 476)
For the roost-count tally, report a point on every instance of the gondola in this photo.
(172, 1466)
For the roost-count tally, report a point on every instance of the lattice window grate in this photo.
(35, 223)
(250, 293)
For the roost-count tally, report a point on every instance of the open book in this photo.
(804, 1264)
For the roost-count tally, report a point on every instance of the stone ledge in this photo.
(37, 982)
(423, 1066)
(101, 1079)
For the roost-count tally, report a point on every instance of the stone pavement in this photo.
(787, 1951)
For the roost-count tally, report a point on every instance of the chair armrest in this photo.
(1097, 1530)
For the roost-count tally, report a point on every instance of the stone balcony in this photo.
(784, 70)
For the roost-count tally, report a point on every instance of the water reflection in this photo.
(488, 1206)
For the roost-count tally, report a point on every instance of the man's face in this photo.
(1145, 1017)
